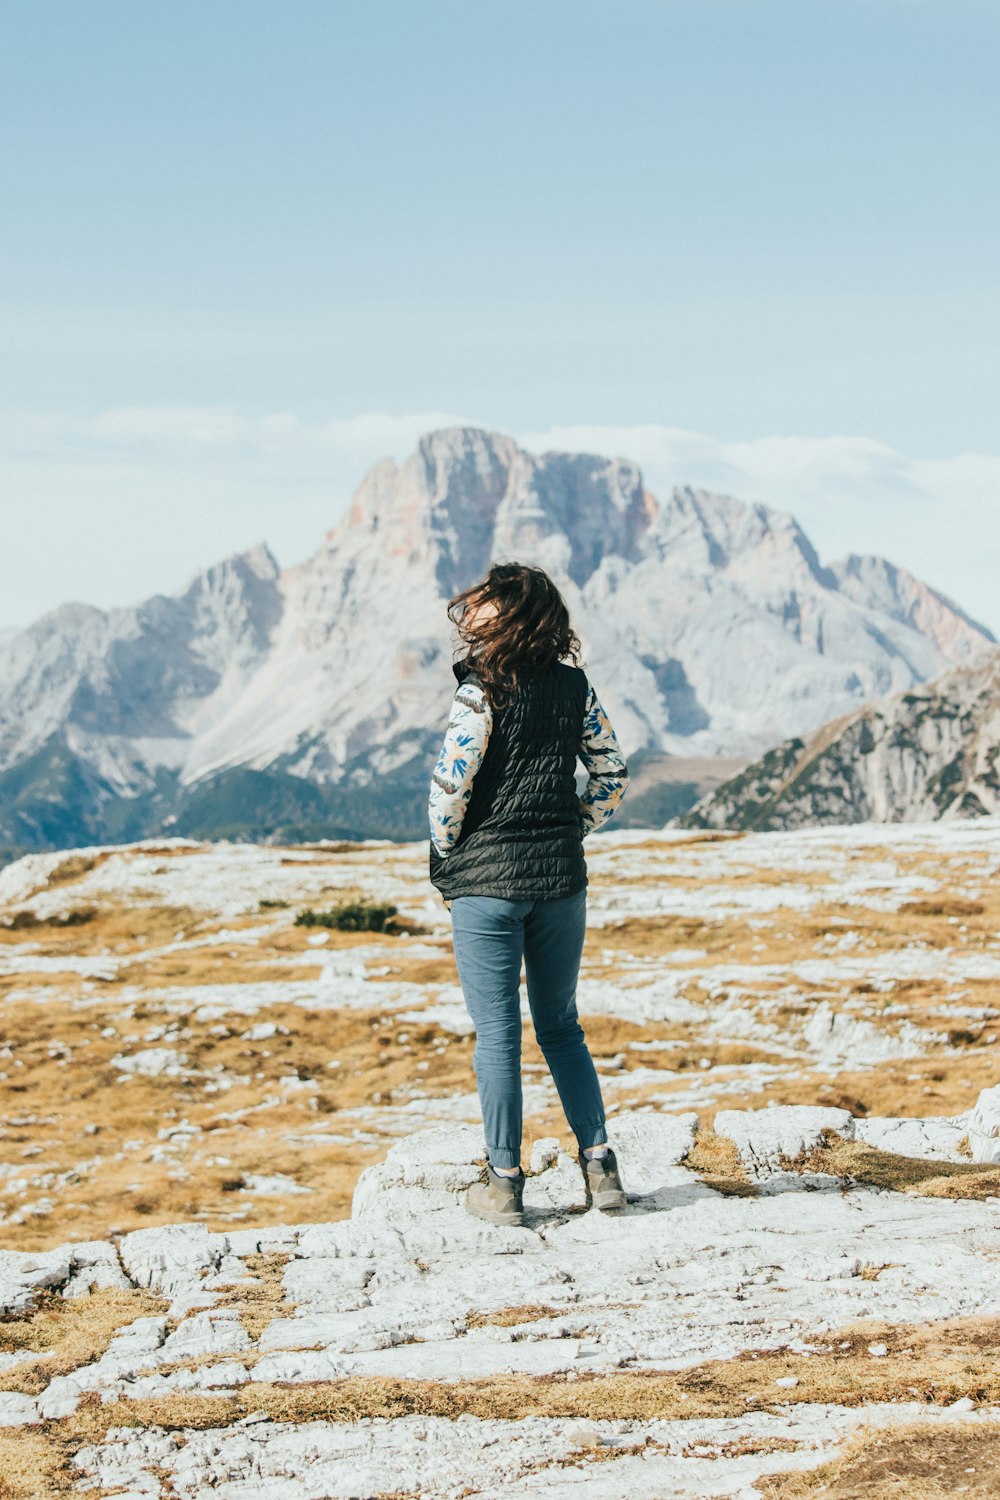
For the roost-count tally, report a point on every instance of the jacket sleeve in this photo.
(603, 758)
(462, 751)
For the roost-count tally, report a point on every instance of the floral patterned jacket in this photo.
(464, 746)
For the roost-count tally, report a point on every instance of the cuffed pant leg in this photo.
(488, 940)
(553, 944)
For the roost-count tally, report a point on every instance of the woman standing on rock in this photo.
(506, 852)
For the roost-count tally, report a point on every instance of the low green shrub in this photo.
(355, 916)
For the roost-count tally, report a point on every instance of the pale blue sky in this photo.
(742, 218)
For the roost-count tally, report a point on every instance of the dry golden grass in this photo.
(34, 1464)
(739, 875)
(741, 1447)
(856, 1162)
(643, 937)
(102, 1165)
(261, 1300)
(67, 1332)
(948, 920)
(914, 1461)
(203, 966)
(335, 847)
(937, 1364)
(509, 1317)
(415, 970)
(74, 867)
(717, 1162)
(944, 906)
(287, 938)
(664, 848)
(941, 1084)
(103, 1169)
(111, 929)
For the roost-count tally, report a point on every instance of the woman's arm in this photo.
(462, 751)
(603, 758)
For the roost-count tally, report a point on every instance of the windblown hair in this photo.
(529, 631)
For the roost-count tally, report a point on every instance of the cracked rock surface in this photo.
(413, 1287)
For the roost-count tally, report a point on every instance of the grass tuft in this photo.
(67, 1332)
(857, 1163)
(916, 1461)
(719, 1165)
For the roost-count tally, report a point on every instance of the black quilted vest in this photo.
(522, 834)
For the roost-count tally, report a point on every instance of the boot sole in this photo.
(608, 1202)
(611, 1200)
(491, 1217)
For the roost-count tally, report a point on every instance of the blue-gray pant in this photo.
(490, 936)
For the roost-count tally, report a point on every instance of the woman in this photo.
(506, 853)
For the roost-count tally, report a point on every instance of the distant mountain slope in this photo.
(932, 752)
(710, 627)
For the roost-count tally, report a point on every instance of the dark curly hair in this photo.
(529, 631)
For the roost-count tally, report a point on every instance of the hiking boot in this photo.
(498, 1199)
(602, 1183)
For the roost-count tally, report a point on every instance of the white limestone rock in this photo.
(544, 1153)
(764, 1136)
(152, 1062)
(936, 1139)
(315, 1280)
(984, 1126)
(17, 1410)
(558, 1189)
(297, 1365)
(174, 1258)
(278, 1238)
(94, 1263)
(60, 1398)
(412, 1201)
(685, 1275)
(442, 1160)
(22, 1275)
(646, 1144)
(838, 1039)
(136, 1345)
(215, 1331)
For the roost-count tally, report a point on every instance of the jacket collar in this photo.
(467, 666)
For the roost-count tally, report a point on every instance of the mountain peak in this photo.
(462, 440)
(261, 561)
(710, 625)
(895, 591)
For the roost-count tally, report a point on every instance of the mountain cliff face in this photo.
(932, 752)
(710, 627)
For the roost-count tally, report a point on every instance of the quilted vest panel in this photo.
(522, 834)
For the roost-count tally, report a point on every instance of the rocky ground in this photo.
(233, 1160)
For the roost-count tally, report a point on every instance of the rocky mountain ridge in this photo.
(255, 696)
(931, 752)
